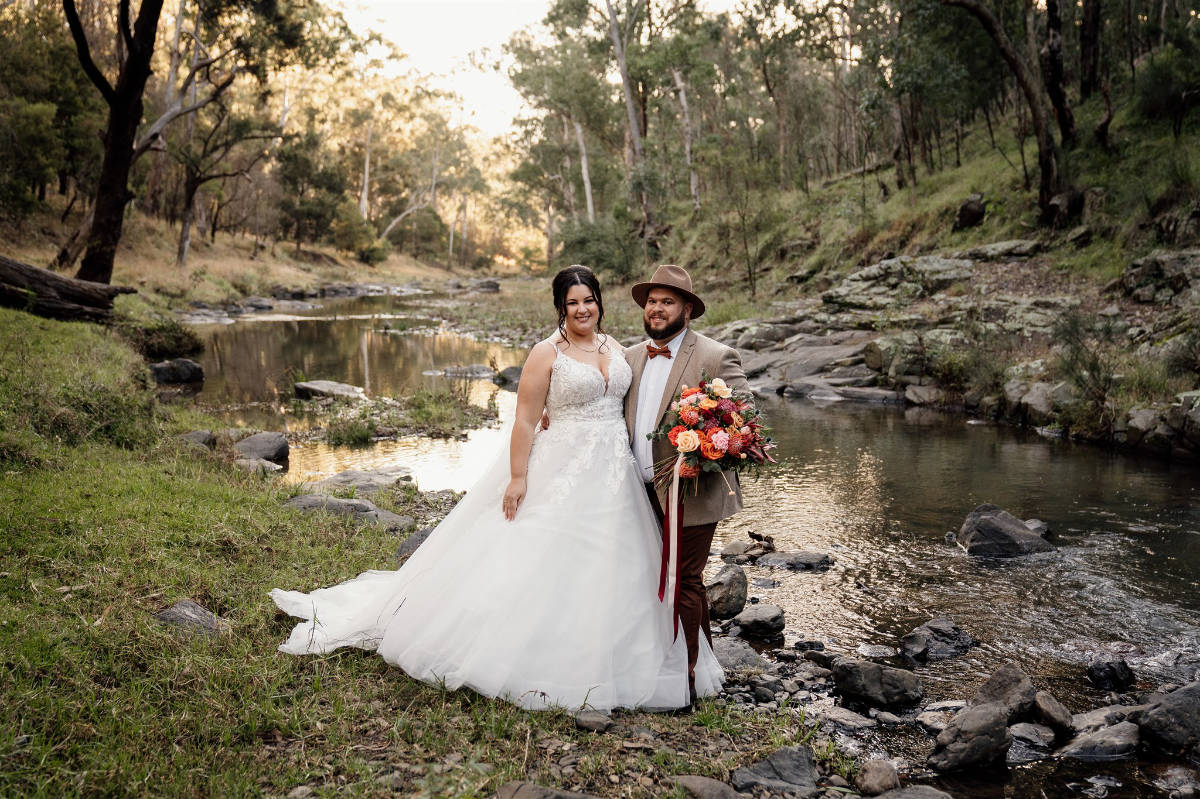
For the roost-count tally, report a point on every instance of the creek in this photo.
(877, 488)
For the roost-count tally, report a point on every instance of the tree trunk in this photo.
(1089, 49)
(191, 186)
(1048, 180)
(693, 179)
(635, 131)
(364, 194)
(42, 292)
(585, 170)
(1055, 74)
(125, 114)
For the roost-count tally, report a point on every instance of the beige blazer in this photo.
(697, 354)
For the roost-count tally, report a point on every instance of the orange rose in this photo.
(710, 451)
(687, 392)
(673, 436)
(708, 403)
(689, 415)
(687, 470)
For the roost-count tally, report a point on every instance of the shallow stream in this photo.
(877, 488)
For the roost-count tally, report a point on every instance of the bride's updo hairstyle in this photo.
(576, 275)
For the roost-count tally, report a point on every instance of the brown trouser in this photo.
(695, 541)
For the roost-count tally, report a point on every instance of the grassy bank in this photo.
(106, 523)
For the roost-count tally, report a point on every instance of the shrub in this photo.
(160, 338)
(602, 245)
(350, 432)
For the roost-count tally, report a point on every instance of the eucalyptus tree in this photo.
(229, 39)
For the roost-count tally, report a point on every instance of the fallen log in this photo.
(44, 293)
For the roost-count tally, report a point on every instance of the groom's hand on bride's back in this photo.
(545, 421)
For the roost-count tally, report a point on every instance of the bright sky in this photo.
(440, 35)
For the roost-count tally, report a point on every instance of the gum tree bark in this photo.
(120, 134)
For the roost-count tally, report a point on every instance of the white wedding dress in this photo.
(557, 608)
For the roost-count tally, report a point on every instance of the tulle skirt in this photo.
(555, 609)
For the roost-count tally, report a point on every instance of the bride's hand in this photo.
(513, 496)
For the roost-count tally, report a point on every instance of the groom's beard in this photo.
(668, 332)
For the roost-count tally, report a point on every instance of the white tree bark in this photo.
(586, 172)
(693, 178)
(364, 195)
(635, 133)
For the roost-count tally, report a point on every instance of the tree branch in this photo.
(173, 113)
(85, 53)
(123, 24)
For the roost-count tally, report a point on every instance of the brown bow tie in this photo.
(664, 351)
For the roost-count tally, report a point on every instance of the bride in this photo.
(540, 587)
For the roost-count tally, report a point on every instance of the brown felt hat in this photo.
(669, 276)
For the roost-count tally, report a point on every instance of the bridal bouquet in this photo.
(713, 430)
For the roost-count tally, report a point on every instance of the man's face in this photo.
(665, 314)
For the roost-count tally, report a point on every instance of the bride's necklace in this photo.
(580, 346)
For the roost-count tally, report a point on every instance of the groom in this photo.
(674, 357)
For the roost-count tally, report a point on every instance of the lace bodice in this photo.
(578, 392)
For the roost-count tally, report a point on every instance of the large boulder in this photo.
(734, 654)
(1106, 743)
(271, 447)
(1009, 688)
(177, 370)
(788, 770)
(876, 685)
(991, 532)
(1002, 250)
(970, 213)
(705, 787)
(1165, 277)
(762, 621)
(1051, 712)
(508, 377)
(916, 792)
(797, 561)
(976, 736)
(361, 510)
(414, 540)
(937, 639)
(312, 389)
(1172, 722)
(727, 592)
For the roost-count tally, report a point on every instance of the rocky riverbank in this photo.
(995, 333)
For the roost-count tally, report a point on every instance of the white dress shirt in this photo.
(650, 395)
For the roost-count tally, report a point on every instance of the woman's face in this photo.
(582, 311)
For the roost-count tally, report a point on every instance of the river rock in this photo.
(976, 736)
(1009, 688)
(593, 720)
(1035, 734)
(705, 787)
(727, 592)
(934, 721)
(1002, 250)
(840, 717)
(192, 617)
(361, 510)
(1106, 743)
(990, 532)
(1109, 673)
(475, 371)
(924, 395)
(734, 654)
(1172, 722)
(916, 792)
(363, 481)
(796, 561)
(257, 466)
(487, 285)
(936, 639)
(528, 790)
(203, 438)
(1051, 712)
(876, 776)
(508, 377)
(311, 389)
(1104, 717)
(790, 769)
(177, 370)
(1165, 277)
(762, 621)
(268, 446)
(414, 540)
(875, 684)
